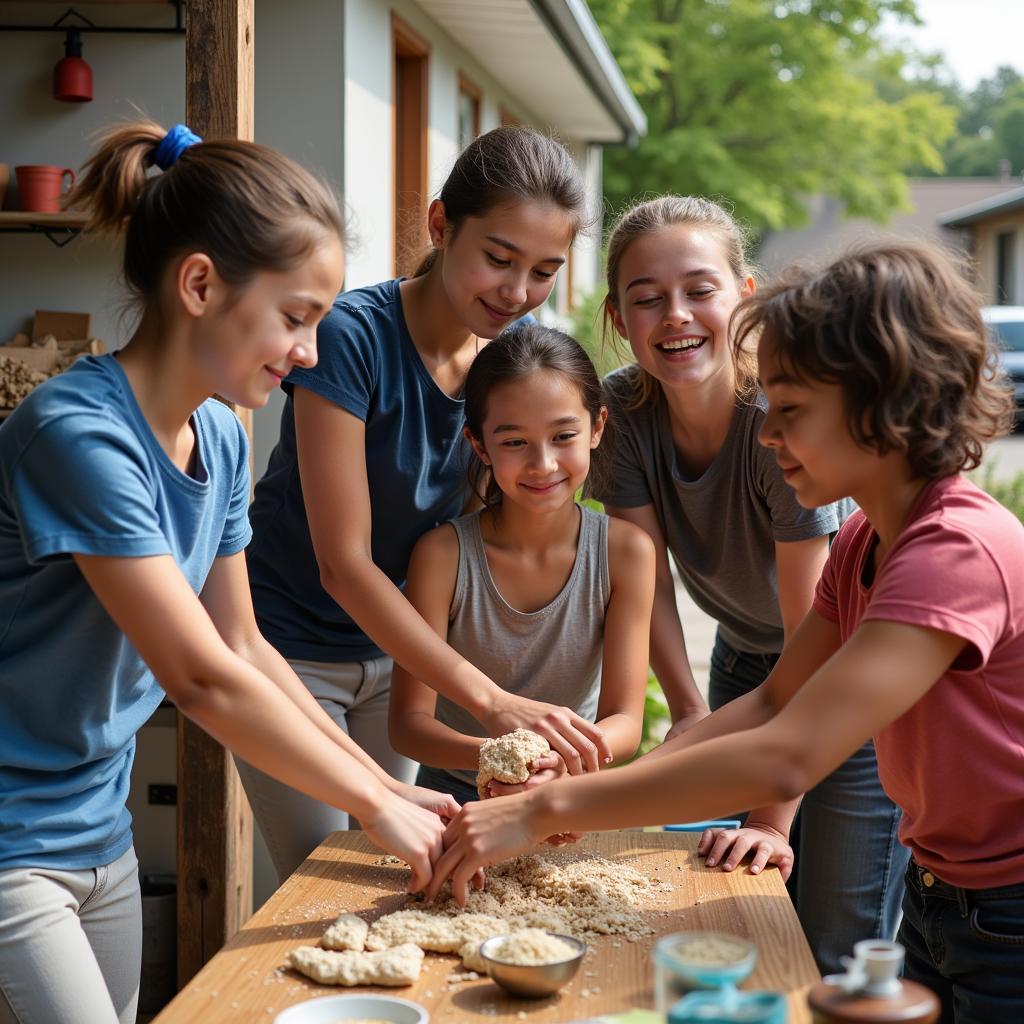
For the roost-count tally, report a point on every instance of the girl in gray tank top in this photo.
(550, 599)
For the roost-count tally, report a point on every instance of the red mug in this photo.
(41, 186)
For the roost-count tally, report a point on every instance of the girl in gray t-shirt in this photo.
(689, 469)
(549, 598)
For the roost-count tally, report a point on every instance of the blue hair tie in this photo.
(173, 144)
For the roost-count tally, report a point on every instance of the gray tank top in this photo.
(553, 654)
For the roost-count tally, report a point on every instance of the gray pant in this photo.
(70, 944)
(355, 694)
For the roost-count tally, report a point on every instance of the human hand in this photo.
(546, 768)
(728, 847)
(484, 832)
(686, 721)
(409, 831)
(581, 744)
(444, 805)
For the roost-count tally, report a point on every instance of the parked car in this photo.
(1007, 324)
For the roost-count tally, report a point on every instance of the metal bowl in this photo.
(533, 981)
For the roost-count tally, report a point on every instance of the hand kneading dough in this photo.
(348, 932)
(508, 758)
(397, 966)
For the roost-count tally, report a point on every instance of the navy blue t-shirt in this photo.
(415, 463)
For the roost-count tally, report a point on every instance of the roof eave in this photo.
(1006, 202)
(573, 26)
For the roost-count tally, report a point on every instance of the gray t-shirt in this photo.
(553, 654)
(721, 528)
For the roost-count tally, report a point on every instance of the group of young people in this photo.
(419, 573)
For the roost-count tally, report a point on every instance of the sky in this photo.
(976, 36)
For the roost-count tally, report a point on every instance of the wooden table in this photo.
(247, 980)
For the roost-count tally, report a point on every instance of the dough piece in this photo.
(348, 932)
(428, 931)
(397, 966)
(433, 932)
(508, 758)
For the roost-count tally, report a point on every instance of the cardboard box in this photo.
(63, 326)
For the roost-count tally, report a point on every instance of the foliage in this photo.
(990, 128)
(763, 102)
(1007, 492)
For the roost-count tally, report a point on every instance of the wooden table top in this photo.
(248, 981)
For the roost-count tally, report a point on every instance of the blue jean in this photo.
(967, 946)
(847, 880)
(441, 781)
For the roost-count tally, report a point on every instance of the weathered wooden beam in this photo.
(214, 819)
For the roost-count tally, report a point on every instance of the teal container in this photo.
(729, 1007)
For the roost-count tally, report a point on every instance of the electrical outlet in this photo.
(165, 794)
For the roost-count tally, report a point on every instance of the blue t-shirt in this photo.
(415, 463)
(81, 472)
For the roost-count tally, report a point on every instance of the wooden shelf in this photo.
(59, 228)
(15, 220)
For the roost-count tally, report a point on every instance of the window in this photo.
(469, 111)
(1006, 268)
(410, 144)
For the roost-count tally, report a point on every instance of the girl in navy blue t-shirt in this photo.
(371, 458)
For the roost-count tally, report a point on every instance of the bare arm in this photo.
(227, 599)
(332, 465)
(631, 567)
(880, 672)
(668, 655)
(798, 566)
(153, 605)
(413, 729)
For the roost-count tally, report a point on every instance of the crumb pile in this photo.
(533, 946)
(509, 758)
(710, 951)
(571, 892)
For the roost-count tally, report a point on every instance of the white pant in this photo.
(355, 694)
(70, 944)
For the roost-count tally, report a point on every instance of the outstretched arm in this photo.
(153, 605)
(880, 672)
(332, 464)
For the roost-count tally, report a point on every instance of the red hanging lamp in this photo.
(72, 77)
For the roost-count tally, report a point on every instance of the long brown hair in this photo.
(511, 163)
(655, 215)
(898, 328)
(248, 207)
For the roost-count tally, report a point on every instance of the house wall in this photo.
(985, 235)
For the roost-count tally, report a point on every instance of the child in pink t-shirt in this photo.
(878, 375)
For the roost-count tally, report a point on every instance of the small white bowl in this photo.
(335, 1009)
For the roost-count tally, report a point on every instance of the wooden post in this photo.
(214, 820)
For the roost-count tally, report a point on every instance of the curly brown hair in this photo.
(898, 328)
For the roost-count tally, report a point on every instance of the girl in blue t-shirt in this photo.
(123, 495)
(548, 597)
(370, 458)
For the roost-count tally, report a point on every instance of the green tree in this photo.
(990, 123)
(764, 102)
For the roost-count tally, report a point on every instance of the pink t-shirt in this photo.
(954, 762)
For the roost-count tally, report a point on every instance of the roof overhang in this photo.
(1005, 202)
(549, 55)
